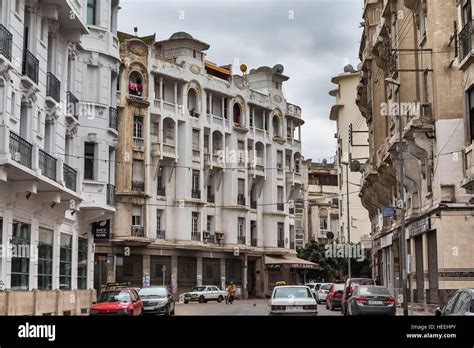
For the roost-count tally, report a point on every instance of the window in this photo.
(45, 259)
(158, 220)
(471, 113)
(323, 219)
(82, 251)
(196, 139)
(135, 86)
(17, 6)
(466, 12)
(251, 118)
(423, 23)
(279, 160)
(13, 105)
(65, 261)
(21, 235)
(159, 182)
(281, 234)
(195, 182)
(209, 223)
(91, 12)
(89, 161)
(237, 114)
(136, 215)
(137, 172)
(92, 92)
(226, 107)
(241, 186)
(195, 222)
(138, 127)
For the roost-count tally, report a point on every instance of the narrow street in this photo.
(240, 307)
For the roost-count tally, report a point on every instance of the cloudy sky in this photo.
(313, 39)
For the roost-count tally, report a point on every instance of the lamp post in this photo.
(348, 207)
(402, 199)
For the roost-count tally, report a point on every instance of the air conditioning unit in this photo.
(219, 236)
(205, 235)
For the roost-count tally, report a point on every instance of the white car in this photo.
(323, 292)
(203, 294)
(292, 300)
(314, 287)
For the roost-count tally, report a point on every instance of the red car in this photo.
(125, 301)
(334, 297)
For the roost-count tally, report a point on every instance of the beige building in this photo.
(412, 42)
(352, 147)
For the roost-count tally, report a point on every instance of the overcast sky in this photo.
(313, 39)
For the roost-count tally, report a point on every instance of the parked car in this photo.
(157, 300)
(323, 292)
(292, 300)
(461, 303)
(334, 297)
(348, 288)
(371, 299)
(203, 294)
(125, 301)
(313, 286)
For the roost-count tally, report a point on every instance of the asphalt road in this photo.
(239, 307)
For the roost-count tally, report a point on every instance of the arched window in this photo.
(193, 103)
(297, 159)
(135, 85)
(276, 126)
(237, 114)
(168, 130)
(217, 143)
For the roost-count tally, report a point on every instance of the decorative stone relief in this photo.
(195, 69)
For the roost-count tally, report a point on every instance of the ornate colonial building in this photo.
(209, 165)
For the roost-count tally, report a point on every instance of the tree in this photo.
(331, 268)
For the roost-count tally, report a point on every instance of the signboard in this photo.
(101, 229)
(388, 211)
(419, 227)
(386, 241)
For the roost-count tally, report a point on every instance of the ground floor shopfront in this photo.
(182, 268)
(440, 254)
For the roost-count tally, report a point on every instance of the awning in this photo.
(289, 261)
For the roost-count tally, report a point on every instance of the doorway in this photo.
(251, 278)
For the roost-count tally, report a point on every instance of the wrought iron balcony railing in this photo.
(280, 206)
(280, 243)
(160, 234)
(47, 164)
(196, 194)
(138, 186)
(240, 199)
(465, 41)
(110, 194)
(138, 231)
(5, 42)
(253, 204)
(70, 177)
(161, 191)
(20, 150)
(30, 66)
(53, 87)
(196, 236)
(113, 118)
(210, 198)
(73, 105)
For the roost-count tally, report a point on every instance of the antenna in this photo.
(279, 68)
(135, 29)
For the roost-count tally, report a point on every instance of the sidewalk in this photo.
(415, 312)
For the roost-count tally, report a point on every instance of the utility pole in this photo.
(347, 202)
(402, 202)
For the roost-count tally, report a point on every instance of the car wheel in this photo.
(219, 299)
(186, 302)
(201, 299)
(174, 307)
(330, 306)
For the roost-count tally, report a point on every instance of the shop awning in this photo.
(289, 261)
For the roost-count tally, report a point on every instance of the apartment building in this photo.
(414, 43)
(352, 153)
(208, 170)
(322, 200)
(52, 184)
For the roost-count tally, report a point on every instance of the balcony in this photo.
(196, 194)
(70, 177)
(5, 43)
(53, 87)
(219, 238)
(113, 119)
(281, 243)
(196, 236)
(20, 150)
(241, 199)
(210, 198)
(138, 144)
(138, 186)
(161, 191)
(465, 41)
(30, 66)
(72, 105)
(241, 240)
(253, 204)
(280, 206)
(160, 234)
(47, 164)
(209, 237)
(292, 210)
(137, 231)
(110, 194)
(253, 242)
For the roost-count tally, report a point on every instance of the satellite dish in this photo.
(243, 68)
(355, 166)
(330, 235)
(279, 68)
(349, 69)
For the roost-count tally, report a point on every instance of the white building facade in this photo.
(48, 113)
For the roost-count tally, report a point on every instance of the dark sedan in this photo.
(371, 300)
(461, 303)
(157, 300)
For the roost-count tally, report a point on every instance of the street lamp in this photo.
(402, 199)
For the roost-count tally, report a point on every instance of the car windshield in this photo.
(326, 286)
(339, 287)
(199, 288)
(317, 286)
(153, 292)
(363, 282)
(114, 296)
(371, 291)
(295, 292)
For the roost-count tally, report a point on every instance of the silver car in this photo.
(371, 300)
(203, 293)
(323, 292)
(292, 300)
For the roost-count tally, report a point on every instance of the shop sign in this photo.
(101, 229)
(388, 211)
(419, 227)
(386, 241)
